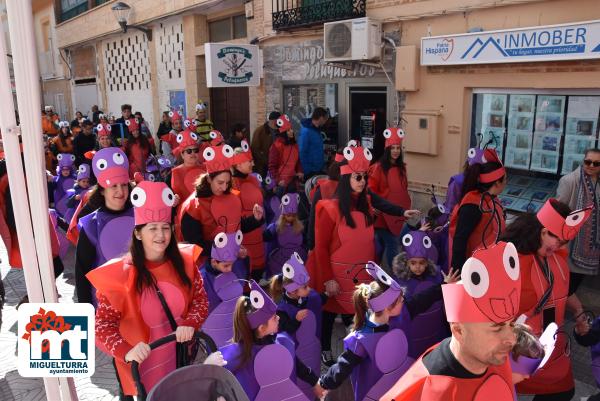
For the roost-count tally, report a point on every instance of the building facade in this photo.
(156, 72)
(540, 115)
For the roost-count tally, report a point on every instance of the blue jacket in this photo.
(310, 143)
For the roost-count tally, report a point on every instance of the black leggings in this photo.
(327, 319)
(575, 280)
(564, 396)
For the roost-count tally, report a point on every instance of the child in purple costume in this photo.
(262, 360)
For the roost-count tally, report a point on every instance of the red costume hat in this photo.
(190, 123)
(245, 155)
(490, 155)
(152, 202)
(216, 138)
(393, 136)
(185, 139)
(174, 115)
(132, 124)
(339, 157)
(217, 158)
(103, 129)
(565, 228)
(283, 123)
(490, 287)
(358, 160)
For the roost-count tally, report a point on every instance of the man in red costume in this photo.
(473, 364)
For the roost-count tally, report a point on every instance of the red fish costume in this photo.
(250, 194)
(126, 317)
(541, 300)
(485, 230)
(489, 292)
(340, 250)
(184, 177)
(392, 186)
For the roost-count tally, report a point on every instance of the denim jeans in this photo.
(390, 243)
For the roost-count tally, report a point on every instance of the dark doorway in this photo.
(229, 106)
(368, 115)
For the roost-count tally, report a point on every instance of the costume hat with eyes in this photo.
(263, 305)
(393, 136)
(565, 228)
(62, 184)
(215, 138)
(152, 202)
(103, 129)
(358, 159)
(490, 155)
(190, 123)
(283, 123)
(174, 115)
(526, 365)
(83, 172)
(133, 124)
(244, 156)
(110, 166)
(417, 244)
(490, 287)
(217, 158)
(226, 246)
(390, 295)
(185, 139)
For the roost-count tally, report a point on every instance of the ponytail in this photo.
(276, 287)
(242, 332)
(361, 295)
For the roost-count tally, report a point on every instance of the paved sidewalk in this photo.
(103, 386)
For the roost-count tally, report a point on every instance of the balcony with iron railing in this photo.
(290, 14)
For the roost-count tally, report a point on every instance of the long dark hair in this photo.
(524, 232)
(386, 161)
(203, 186)
(471, 181)
(286, 139)
(141, 140)
(346, 201)
(63, 138)
(144, 278)
(96, 198)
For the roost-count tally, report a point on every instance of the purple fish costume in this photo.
(307, 336)
(262, 379)
(83, 172)
(223, 289)
(107, 231)
(287, 241)
(427, 328)
(383, 348)
(63, 184)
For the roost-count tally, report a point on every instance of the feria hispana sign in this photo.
(545, 43)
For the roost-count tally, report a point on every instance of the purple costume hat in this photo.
(65, 160)
(264, 305)
(294, 270)
(417, 244)
(83, 172)
(269, 182)
(110, 167)
(289, 203)
(258, 177)
(528, 366)
(226, 246)
(389, 296)
(164, 163)
(475, 156)
(151, 164)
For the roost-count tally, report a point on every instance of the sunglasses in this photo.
(589, 162)
(359, 177)
(190, 151)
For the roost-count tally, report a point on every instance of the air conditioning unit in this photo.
(353, 39)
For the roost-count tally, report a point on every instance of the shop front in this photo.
(532, 93)
(360, 99)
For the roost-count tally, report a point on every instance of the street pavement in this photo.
(102, 386)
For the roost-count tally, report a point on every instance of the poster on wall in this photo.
(493, 138)
(546, 162)
(520, 128)
(580, 130)
(517, 158)
(231, 65)
(177, 101)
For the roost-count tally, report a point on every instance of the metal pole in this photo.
(27, 76)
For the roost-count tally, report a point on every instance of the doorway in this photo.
(368, 117)
(229, 106)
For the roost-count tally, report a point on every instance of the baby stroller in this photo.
(193, 382)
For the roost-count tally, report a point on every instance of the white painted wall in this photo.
(127, 75)
(168, 39)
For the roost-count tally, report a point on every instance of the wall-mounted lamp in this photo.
(122, 11)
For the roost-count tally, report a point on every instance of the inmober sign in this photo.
(547, 43)
(56, 340)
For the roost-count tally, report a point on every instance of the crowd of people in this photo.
(252, 243)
